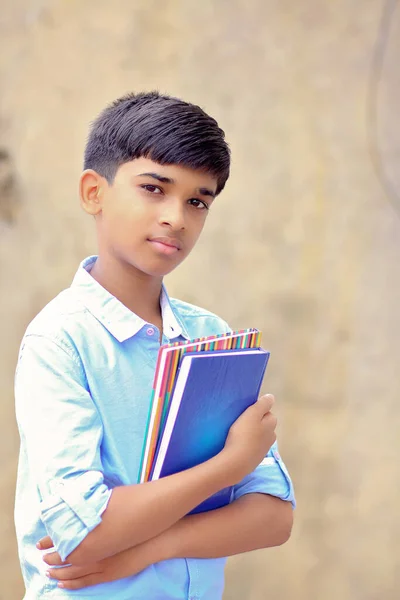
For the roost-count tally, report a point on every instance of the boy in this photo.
(153, 167)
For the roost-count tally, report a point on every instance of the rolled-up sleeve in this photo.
(61, 433)
(270, 477)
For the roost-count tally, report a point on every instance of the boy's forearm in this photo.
(137, 513)
(253, 521)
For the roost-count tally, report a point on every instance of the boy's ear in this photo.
(90, 191)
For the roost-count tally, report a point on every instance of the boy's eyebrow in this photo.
(158, 177)
(203, 191)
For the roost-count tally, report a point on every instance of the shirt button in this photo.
(150, 331)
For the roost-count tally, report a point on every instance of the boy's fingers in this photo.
(265, 403)
(53, 559)
(81, 582)
(63, 573)
(45, 543)
(68, 573)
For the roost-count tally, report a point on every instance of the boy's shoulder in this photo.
(198, 321)
(66, 319)
(61, 315)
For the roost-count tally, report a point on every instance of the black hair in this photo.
(160, 127)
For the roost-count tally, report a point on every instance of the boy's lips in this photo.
(165, 244)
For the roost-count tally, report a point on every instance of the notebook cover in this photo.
(169, 357)
(218, 389)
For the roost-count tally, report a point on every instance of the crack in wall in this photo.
(9, 195)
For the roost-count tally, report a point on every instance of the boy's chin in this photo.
(158, 270)
(153, 268)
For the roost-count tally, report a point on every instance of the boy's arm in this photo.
(138, 513)
(252, 522)
(62, 431)
(260, 516)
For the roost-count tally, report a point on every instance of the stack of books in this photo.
(200, 388)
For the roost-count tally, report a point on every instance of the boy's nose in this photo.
(173, 215)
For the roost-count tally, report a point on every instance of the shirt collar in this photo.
(121, 322)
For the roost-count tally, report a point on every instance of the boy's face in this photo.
(151, 216)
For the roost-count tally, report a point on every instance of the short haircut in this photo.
(160, 127)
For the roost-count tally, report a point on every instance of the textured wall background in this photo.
(304, 243)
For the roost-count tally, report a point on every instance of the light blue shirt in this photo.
(83, 384)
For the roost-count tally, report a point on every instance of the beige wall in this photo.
(304, 243)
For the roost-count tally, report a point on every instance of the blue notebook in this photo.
(212, 390)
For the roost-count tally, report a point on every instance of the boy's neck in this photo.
(137, 291)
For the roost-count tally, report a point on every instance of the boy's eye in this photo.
(199, 204)
(153, 189)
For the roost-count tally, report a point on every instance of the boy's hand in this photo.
(250, 438)
(121, 565)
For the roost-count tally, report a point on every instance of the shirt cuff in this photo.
(270, 477)
(74, 510)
